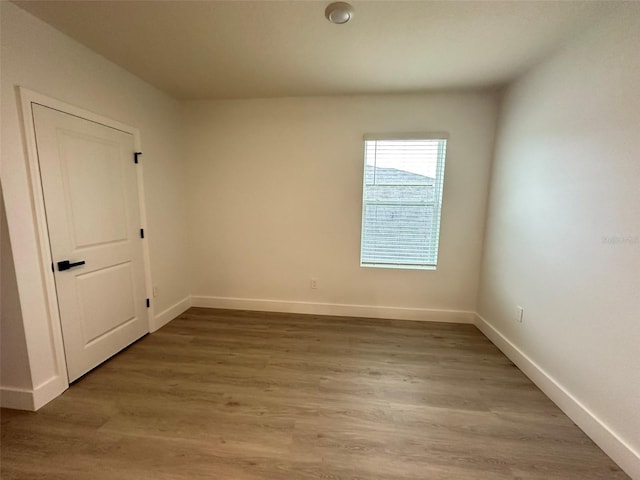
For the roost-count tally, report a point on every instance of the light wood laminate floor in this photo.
(242, 395)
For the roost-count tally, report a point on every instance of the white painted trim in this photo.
(49, 390)
(17, 398)
(25, 399)
(27, 98)
(368, 311)
(614, 446)
(52, 387)
(146, 254)
(170, 313)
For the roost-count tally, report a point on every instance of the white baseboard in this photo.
(614, 446)
(47, 391)
(170, 313)
(17, 398)
(344, 310)
(25, 399)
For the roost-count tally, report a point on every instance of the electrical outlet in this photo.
(314, 283)
(519, 314)
(156, 290)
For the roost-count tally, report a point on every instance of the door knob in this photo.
(66, 265)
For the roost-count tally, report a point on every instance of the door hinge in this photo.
(52, 268)
(142, 233)
(135, 156)
(148, 303)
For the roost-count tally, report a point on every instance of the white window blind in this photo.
(402, 200)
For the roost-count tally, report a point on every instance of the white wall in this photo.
(563, 232)
(14, 359)
(275, 198)
(42, 59)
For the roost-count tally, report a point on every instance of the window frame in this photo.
(437, 202)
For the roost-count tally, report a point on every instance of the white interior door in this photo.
(89, 182)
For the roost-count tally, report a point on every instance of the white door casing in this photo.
(90, 189)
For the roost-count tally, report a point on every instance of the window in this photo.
(402, 199)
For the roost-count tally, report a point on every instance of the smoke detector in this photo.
(339, 12)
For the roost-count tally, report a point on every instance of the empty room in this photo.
(260, 240)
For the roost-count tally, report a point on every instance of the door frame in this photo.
(27, 98)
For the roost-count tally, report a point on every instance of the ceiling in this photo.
(241, 49)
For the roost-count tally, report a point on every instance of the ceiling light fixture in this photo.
(339, 12)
